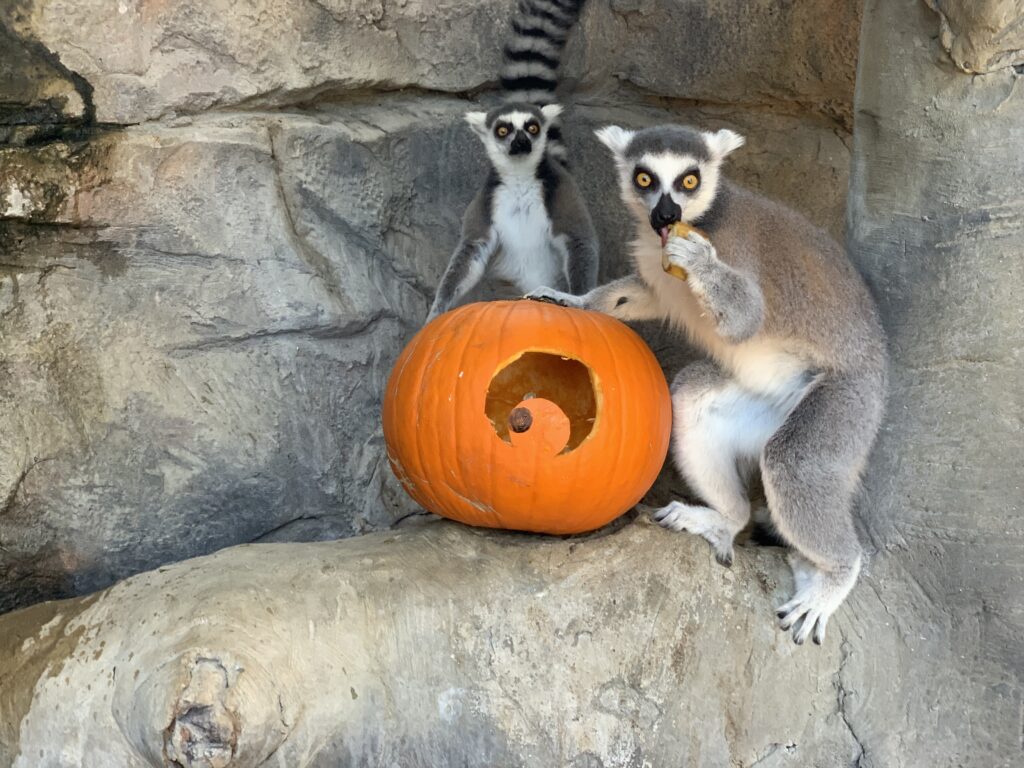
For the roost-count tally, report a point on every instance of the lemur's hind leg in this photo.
(811, 470)
(719, 428)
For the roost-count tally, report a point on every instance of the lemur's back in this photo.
(801, 265)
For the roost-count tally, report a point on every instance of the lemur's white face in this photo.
(668, 173)
(514, 137)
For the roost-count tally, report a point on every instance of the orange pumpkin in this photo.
(527, 415)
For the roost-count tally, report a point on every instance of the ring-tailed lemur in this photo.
(528, 225)
(796, 380)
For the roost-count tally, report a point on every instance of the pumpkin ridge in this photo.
(615, 376)
(469, 334)
(492, 448)
(416, 393)
(566, 490)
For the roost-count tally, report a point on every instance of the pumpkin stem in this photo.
(520, 420)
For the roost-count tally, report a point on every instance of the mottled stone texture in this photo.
(40, 98)
(188, 57)
(982, 35)
(219, 232)
(436, 646)
(937, 223)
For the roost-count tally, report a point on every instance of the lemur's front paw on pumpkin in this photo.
(551, 296)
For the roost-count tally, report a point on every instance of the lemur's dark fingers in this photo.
(548, 298)
(819, 630)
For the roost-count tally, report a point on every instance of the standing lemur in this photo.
(528, 225)
(797, 372)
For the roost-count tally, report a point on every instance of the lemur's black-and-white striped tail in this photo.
(532, 56)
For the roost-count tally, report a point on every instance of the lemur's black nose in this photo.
(665, 213)
(521, 144)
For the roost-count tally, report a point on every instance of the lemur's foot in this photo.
(686, 252)
(702, 521)
(552, 296)
(818, 594)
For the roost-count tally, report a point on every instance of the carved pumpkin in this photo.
(527, 415)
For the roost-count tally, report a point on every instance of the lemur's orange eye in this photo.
(643, 180)
(691, 181)
(533, 128)
(502, 131)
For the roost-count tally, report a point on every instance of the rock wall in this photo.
(937, 223)
(221, 221)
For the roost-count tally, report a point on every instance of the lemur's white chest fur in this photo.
(529, 253)
(760, 364)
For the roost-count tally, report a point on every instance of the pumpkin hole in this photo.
(563, 380)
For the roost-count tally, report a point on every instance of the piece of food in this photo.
(680, 229)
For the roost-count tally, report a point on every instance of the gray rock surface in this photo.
(189, 57)
(937, 223)
(789, 57)
(202, 339)
(434, 646)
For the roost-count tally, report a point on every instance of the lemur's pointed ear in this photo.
(478, 122)
(551, 111)
(722, 142)
(615, 138)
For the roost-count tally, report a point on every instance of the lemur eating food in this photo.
(528, 225)
(794, 384)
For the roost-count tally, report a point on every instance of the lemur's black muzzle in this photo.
(665, 213)
(521, 144)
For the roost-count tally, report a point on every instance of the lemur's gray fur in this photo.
(796, 376)
(528, 225)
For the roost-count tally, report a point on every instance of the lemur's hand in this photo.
(690, 252)
(552, 296)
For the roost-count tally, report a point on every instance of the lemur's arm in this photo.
(733, 298)
(581, 264)
(627, 298)
(571, 223)
(465, 269)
